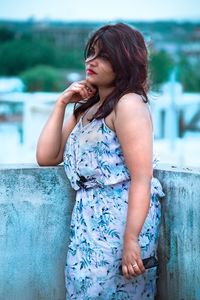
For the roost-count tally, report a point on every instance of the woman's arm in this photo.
(53, 137)
(134, 130)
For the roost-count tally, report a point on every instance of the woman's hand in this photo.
(131, 260)
(77, 91)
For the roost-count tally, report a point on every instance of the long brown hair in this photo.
(125, 49)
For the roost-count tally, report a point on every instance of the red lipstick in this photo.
(90, 72)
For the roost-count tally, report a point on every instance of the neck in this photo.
(104, 92)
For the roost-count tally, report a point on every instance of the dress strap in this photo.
(85, 112)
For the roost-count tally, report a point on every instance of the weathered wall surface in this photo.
(35, 211)
(179, 245)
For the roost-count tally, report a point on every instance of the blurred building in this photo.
(11, 84)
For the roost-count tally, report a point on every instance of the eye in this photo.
(103, 56)
(91, 52)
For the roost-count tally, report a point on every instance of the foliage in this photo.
(160, 66)
(43, 78)
(6, 34)
(188, 75)
(22, 49)
(71, 60)
(19, 55)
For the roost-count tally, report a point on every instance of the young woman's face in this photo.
(99, 71)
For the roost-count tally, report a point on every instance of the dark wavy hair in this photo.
(125, 49)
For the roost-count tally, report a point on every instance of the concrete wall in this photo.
(179, 246)
(35, 209)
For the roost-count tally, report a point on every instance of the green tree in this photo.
(19, 55)
(6, 34)
(72, 60)
(188, 74)
(43, 78)
(160, 66)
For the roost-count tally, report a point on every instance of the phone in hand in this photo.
(148, 263)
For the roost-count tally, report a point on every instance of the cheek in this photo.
(108, 71)
(112, 76)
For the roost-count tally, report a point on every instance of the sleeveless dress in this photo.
(94, 164)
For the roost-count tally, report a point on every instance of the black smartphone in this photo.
(148, 263)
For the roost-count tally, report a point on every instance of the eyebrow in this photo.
(93, 48)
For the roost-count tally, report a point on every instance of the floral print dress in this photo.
(95, 166)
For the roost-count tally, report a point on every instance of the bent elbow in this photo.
(45, 162)
(41, 162)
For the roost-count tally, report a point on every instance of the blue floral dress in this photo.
(95, 166)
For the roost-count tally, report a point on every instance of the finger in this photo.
(141, 266)
(93, 88)
(78, 85)
(89, 90)
(81, 91)
(131, 270)
(82, 82)
(86, 91)
(87, 85)
(136, 269)
(125, 272)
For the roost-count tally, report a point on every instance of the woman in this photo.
(107, 147)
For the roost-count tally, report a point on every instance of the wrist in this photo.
(62, 102)
(130, 236)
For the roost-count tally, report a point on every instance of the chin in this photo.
(91, 80)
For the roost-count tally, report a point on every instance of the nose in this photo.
(92, 60)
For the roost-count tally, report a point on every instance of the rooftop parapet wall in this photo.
(179, 244)
(35, 210)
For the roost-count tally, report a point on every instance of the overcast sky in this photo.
(101, 10)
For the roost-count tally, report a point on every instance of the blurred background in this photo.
(41, 53)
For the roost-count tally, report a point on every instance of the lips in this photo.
(90, 72)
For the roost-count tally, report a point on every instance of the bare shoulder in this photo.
(131, 101)
(132, 106)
